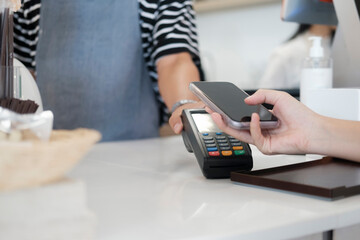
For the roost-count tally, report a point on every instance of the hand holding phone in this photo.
(228, 100)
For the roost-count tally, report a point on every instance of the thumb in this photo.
(177, 127)
(264, 96)
(256, 133)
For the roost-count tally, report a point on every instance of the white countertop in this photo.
(154, 189)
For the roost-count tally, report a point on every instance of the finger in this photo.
(264, 96)
(175, 121)
(242, 135)
(218, 120)
(255, 131)
(208, 110)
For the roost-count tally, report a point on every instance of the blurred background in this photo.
(236, 38)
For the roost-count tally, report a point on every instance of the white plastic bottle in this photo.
(317, 72)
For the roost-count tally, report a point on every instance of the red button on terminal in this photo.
(214, 153)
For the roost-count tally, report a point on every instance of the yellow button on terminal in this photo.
(226, 153)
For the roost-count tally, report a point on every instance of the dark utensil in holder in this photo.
(7, 98)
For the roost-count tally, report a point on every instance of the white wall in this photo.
(236, 44)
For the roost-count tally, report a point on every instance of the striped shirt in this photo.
(167, 27)
(26, 32)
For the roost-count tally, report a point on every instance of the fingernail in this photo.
(177, 128)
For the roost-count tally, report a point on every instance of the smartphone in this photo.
(228, 100)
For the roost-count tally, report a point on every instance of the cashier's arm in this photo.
(175, 72)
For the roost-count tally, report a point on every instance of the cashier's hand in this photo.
(297, 124)
(175, 119)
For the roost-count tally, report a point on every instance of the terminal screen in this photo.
(204, 123)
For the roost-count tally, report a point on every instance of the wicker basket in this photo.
(31, 163)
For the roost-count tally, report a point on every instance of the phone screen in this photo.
(230, 100)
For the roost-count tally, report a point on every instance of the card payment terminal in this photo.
(217, 153)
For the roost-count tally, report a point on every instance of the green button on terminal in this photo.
(239, 152)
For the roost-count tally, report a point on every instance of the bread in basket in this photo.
(31, 163)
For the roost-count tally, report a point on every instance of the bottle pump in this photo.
(317, 71)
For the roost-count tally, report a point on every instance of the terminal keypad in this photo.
(221, 144)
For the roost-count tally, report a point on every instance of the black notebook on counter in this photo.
(329, 178)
